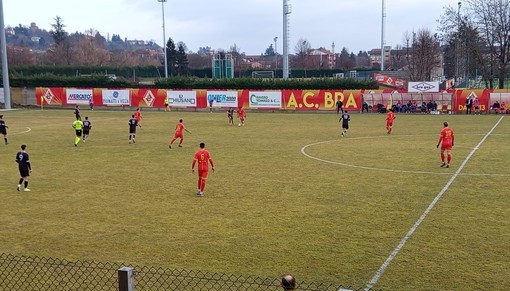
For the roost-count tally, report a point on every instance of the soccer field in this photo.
(289, 195)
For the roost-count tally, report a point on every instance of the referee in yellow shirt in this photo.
(78, 127)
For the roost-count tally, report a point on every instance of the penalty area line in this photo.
(28, 129)
(404, 240)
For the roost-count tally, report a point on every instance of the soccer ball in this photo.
(239, 124)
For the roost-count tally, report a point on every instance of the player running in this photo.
(179, 128)
(241, 114)
(87, 126)
(446, 139)
(3, 129)
(345, 118)
(78, 127)
(24, 167)
(203, 158)
(230, 116)
(132, 128)
(77, 112)
(390, 117)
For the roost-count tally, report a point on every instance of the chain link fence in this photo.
(40, 273)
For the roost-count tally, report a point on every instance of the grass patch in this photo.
(268, 210)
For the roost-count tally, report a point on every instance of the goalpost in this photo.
(262, 74)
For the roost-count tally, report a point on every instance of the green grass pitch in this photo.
(289, 195)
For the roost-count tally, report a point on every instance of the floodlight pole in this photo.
(275, 54)
(5, 67)
(382, 35)
(164, 35)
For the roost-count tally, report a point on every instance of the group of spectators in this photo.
(500, 108)
(409, 107)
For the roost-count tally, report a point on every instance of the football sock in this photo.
(5, 140)
(199, 183)
(442, 157)
(77, 140)
(449, 158)
(20, 181)
(26, 184)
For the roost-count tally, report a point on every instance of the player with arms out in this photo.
(203, 158)
(390, 117)
(87, 126)
(344, 119)
(78, 127)
(241, 114)
(3, 129)
(138, 117)
(24, 167)
(179, 128)
(132, 128)
(446, 140)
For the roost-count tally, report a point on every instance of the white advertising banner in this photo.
(419, 87)
(78, 96)
(222, 98)
(116, 97)
(182, 98)
(262, 99)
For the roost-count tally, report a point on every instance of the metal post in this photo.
(457, 47)
(382, 36)
(5, 67)
(286, 12)
(126, 279)
(275, 55)
(164, 35)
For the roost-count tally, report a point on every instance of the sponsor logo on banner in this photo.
(261, 99)
(78, 96)
(116, 97)
(182, 98)
(149, 98)
(423, 87)
(222, 98)
(48, 96)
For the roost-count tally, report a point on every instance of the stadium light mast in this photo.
(275, 54)
(164, 35)
(286, 12)
(5, 67)
(383, 16)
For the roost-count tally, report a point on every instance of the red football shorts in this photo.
(178, 135)
(203, 173)
(446, 147)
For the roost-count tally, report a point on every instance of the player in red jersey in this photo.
(179, 128)
(446, 139)
(203, 158)
(390, 116)
(138, 117)
(241, 114)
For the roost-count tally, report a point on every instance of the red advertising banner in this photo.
(460, 97)
(50, 96)
(390, 81)
(321, 99)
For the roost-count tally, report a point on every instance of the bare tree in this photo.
(302, 49)
(489, 22)
(237, 56)
(425, 55)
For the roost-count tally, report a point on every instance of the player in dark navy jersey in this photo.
(230, 115)
(133, 123)
(3, 128)
(345, 118)
(77, 112)
(24, 167)
(87, 126)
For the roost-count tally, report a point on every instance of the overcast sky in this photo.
(250, 24)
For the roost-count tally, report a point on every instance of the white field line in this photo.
(397, 249)
(28, 129)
